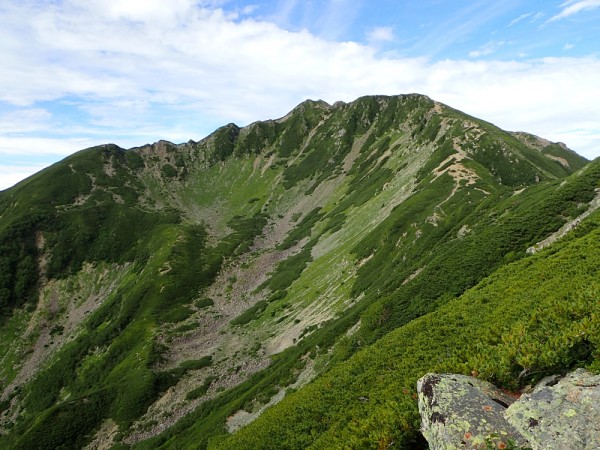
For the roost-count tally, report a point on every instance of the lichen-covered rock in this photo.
(463, 412)
(460, 412)
(560, 413)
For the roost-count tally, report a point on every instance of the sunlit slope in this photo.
(531, 318)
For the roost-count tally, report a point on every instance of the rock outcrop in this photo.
(458, 411)
(461, 412)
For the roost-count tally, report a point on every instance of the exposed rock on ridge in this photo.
(458, 411)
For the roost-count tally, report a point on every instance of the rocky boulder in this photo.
(461, 412)
(458, 411)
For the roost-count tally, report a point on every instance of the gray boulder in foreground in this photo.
(561, 413)
(461, 412)
(458, 411)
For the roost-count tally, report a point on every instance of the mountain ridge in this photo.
(168, 281)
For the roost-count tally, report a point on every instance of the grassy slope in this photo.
(500, 229)
(539, 315)
(515, 220)
(109, 363)
(107, 370)
(355, 215)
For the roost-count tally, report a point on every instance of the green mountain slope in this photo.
(168, 294)
(529, 319)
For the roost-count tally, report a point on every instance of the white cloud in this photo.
(572, 7)
(249, 9)
(12, 174)
(568, 46)
(518, 19)
(24, 121)
(25, 148)
(135, 70)
(457, 28)
(487, 49)
(143, 11)
(537, 16)
(380, 34)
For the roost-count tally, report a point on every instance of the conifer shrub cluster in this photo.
(531, 318)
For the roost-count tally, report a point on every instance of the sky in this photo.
(78, 73)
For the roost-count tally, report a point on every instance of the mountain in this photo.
(284, 285)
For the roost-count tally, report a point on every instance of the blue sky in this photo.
(447, 29)
(77, 73)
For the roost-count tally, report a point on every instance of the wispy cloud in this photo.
(24, 121)
(487, 49)
(284, 12)
(380, 34)
(520, 18)
(335, 19)
(329, 19)
(463, 23)
(573, 7)
(539, 15)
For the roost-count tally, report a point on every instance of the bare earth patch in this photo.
(242, 418)
(594, 205)
(103, 439)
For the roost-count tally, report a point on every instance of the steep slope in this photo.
(531, 318)
(142, 286)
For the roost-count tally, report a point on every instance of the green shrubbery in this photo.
(457, 263)
(290, 269)
(121, 377)
(100, 229)
(250, 314)
(168, 171)
(534, 317)
(204, 302)
(301, 230)
(200, 390)
(224, 140)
